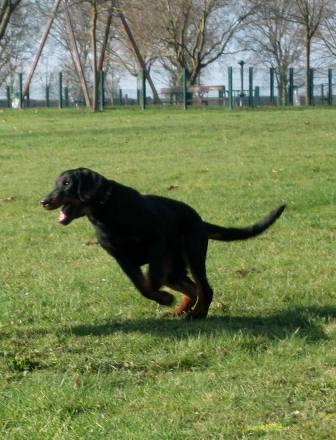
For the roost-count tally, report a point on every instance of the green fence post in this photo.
(66, 96)
(311, 98)
(20, 91)
(47, 95)
(60, 90)
(257, 96)
(8, 95)
(143, 89)
(230, 100)
(101, 90)
(291, 87)
(250, 99)
(120, 97)
(330, 97)
(272, 72)
(221, 97)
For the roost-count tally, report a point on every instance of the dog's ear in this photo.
(89, 184)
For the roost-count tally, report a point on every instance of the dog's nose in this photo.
(44, 203)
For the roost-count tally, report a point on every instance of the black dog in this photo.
(137, 229)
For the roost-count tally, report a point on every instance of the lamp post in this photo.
(241, 63)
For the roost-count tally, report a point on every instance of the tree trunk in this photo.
(283, 84)
(106, 37)
(94, 56)
(195, 75)
(307, 69)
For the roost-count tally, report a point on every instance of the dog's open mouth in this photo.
(69, 212)
(66, 215)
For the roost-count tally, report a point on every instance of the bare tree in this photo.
(14, 44)
(135, 18)
(328, 31)
(309, 14)
(186, 34)
(84, 32)
(7, 9)
(274, 40)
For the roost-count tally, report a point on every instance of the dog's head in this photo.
(74, 191)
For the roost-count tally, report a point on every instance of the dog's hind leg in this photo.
(189, 298)
(204, 297)
(196, 248)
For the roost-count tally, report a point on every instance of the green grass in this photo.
(83, 356)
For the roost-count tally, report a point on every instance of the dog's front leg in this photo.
(156, 263)
(135, 274)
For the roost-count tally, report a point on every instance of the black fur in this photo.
(136, 229)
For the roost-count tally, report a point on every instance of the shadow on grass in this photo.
(305, 322)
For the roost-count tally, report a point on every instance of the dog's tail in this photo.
(231, 234)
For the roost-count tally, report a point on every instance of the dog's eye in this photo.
(66, 182)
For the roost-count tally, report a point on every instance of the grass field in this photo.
(83, 356)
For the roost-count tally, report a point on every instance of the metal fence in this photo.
(240, 87)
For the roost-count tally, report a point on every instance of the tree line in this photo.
(171, 35)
